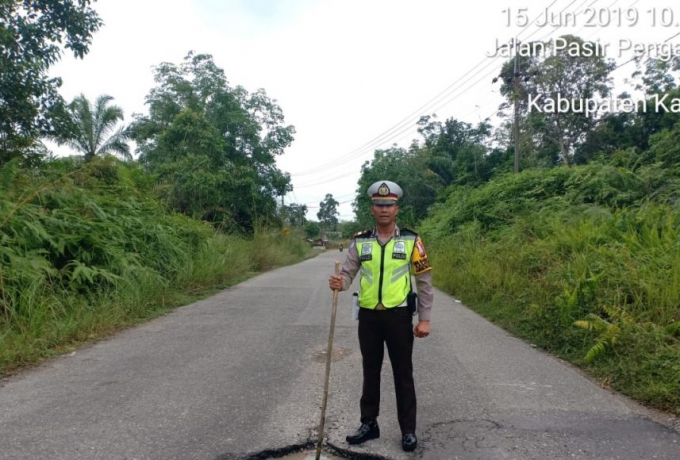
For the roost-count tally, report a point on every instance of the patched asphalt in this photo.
(241, 373)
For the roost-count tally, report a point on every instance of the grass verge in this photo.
(599, 288)
(582, 261)
(48, 322)
(87, 250)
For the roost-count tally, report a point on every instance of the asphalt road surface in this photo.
(241, 373)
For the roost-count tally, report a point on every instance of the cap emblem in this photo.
(384, 190)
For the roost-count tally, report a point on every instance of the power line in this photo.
(405, 123)
(406, 120)
(446, 92)
(542, 38)
(557, 27)
(325, 181)
(645, 51)
(403, 130)
(626, 62)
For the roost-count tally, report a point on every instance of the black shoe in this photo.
(409, 442)
(365, 432)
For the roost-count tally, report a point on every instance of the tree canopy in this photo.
(213, 146)
(328, 212)
(549, 74)
(295, 213)
(94, 130)
(31, 32)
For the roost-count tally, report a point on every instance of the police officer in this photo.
(387, 257)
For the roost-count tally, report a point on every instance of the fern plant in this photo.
(610, 332)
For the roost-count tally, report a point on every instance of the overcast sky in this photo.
(343, 71)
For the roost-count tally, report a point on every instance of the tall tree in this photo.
(659, 76)
(548, 74)
(213, 147)
(412, 170)
(281, 184)
(632, 133)
(456, 150)
(94, 130)
(328, 212)
(31, 32)
(295, 214)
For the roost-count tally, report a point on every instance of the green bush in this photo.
(579, 262)
(88, 248)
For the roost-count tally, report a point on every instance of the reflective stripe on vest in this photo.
(385, 271)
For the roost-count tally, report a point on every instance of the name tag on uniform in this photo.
(366, 252)
(399, 251)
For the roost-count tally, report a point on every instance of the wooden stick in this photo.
(329, 353)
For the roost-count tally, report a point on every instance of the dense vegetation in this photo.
(580, 261)
(579, 253)
(211, 147)
(89, 243)
(88, 248)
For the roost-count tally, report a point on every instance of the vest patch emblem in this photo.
(399, 251)
(366, 252)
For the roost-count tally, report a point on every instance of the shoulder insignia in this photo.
(363, 233)
(407, 231)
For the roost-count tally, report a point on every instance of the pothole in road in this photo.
(308, 453)
(311, 456)
(305, 451)
(337, 354)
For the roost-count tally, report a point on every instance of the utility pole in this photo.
(516, 75)
(283, 211)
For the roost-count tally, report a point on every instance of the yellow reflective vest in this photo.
(385, 270)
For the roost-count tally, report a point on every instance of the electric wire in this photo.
(320, 181)
(377, 139)
(440, 95)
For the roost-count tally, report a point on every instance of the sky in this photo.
(350, 75)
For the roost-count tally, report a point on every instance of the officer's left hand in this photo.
(422, 329)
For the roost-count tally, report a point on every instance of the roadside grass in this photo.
(48, 322)
(86, 252)
(596, 285)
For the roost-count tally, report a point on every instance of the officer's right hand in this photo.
(335, 283)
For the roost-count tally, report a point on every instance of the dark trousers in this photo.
(393, 327)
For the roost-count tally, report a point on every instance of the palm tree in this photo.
(93, 127)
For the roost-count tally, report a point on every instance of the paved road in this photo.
(242, 372)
